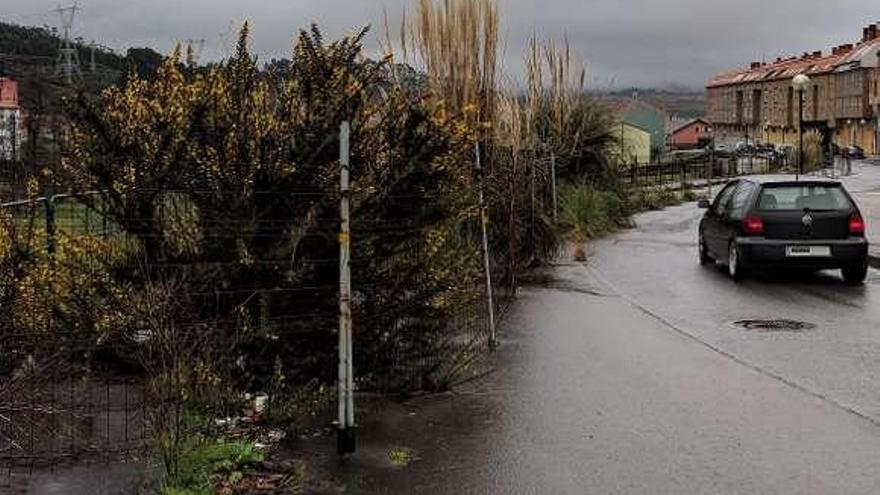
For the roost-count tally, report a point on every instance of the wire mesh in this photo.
(113, 312)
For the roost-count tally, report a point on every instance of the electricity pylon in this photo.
(68, 56)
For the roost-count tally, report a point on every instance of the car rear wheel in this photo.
(735, 267)
(855, 275)
(705, 259)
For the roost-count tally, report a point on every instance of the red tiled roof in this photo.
(788, 68)
(687, 124)
(860, 51)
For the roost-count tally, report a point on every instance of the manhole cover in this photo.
(774, 325)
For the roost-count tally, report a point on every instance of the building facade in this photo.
(759, 104)
(689, 135)
(647, 117)
(633, 146)
(10, 119)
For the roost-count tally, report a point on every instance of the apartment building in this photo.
(841, 101)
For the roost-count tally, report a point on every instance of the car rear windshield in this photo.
(800, 197)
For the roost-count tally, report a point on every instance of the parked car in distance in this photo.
(855, 152)
(766, 222)
(768, 151)
(744, 147)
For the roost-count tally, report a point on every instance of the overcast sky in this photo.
(625, 42)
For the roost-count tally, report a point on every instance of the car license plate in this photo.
(808, 251)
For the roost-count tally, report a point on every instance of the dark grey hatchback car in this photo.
(760, 222)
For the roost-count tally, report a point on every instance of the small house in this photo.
(693, 134)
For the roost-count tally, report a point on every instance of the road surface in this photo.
(624, 375)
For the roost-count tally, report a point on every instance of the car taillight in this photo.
(753, 225)
(856, 224)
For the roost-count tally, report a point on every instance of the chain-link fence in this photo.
(64, 400)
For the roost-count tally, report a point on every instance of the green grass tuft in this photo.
(587, 212)
(200, 462)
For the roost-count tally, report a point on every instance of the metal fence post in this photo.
(49, 202)
(709, 169)
(346, 438)
(683, 175)
(484, 220)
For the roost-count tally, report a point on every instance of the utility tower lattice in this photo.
(197, 47)
(68, 56)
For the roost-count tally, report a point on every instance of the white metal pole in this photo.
(484, 220)
(346, 383)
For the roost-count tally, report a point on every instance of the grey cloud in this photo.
(629, 42)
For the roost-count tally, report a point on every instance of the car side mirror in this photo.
(703, 204)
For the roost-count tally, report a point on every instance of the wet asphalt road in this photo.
(625, 376)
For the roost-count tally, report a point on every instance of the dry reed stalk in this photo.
(456, 42)
(555, 89)
(566, 92)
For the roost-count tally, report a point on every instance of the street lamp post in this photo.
(800, 83)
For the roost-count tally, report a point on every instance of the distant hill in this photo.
(24, 47)
(680, 102)
(29, 54)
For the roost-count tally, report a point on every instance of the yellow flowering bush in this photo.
(225, 180)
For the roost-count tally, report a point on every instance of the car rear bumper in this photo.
(759, 251)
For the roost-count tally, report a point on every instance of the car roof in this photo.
(790, 180)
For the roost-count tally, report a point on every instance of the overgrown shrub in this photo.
(587, 212)
(227, 181)
(652, 199)
(813, 153)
